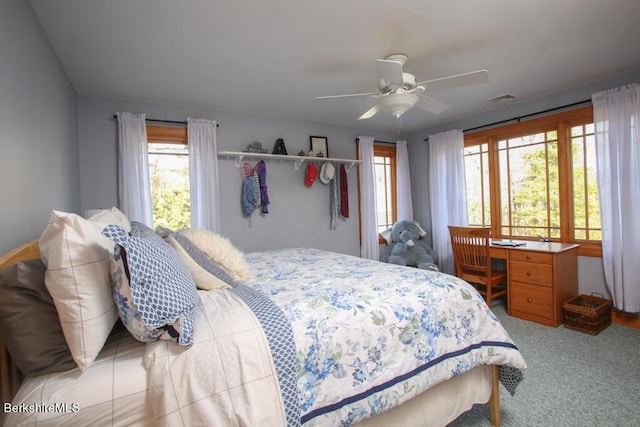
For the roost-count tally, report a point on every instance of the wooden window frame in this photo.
(389, 151)
(562, 123)
(583, 184)
(504, 149)
(167, 134)
(385, 150)
(483, 167)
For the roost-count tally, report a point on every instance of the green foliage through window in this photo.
(530, 201)
(586, 203)
(476, 160)
(169, 176)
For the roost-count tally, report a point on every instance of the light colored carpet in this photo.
(572, 379)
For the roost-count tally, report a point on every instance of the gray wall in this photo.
(590, 271)
(50, 161)
(39, 161)
(298, 216)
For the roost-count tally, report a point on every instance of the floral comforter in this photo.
(370, 336)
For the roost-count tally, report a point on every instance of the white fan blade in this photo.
(370, 112)
(466, 79)
(346, 96)
(390, 71)
(431, 104)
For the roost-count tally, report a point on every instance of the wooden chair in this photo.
(471, 247)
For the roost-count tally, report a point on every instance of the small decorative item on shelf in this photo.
(302, 153)
(255, 147)
(279, 147)
(319, 146)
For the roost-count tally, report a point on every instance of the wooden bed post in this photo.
(494, 400)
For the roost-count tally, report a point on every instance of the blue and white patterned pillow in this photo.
(161, 289)
(143, 231)
(127, 310)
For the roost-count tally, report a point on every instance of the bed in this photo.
(309, 338)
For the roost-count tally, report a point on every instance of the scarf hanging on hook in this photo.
(261, 168)
(344, 192)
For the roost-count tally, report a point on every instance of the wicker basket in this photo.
(587, 313)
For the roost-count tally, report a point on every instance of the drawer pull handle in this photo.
(529, 300)
(529, 273)
(528, 256)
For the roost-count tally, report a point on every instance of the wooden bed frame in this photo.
(11, 377)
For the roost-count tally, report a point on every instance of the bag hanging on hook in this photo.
(250, 191)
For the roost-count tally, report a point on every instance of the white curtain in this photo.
(369, 213)
(133, 168)
(616, 115)
(403, 182)
(203, 174)
(448, 192)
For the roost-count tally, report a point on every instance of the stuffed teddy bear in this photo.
(409, 249)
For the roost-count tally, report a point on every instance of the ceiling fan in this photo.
(398, 91)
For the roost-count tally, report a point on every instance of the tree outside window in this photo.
(169, 176)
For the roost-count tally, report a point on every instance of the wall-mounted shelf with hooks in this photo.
(239, 156)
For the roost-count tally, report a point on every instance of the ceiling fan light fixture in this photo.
(398, 91)
(398, 103)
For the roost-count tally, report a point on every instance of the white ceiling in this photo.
(274, 57)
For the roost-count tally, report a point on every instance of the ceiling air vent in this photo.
(502, 98)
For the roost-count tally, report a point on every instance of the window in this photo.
(476, 161)
(586, 206)
(384, 160)
(169, 175)
(536, 179)
(529, 189)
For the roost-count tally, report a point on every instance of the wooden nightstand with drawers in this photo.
(542, 276)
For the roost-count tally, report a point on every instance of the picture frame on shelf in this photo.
(319, 146)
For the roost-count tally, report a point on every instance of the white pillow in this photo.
(111, 216)
(204, 279)
(221, 251)
(78, 259)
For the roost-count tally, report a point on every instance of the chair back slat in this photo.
(471, 248)
(472, 256)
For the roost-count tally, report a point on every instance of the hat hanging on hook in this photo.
(327, 172)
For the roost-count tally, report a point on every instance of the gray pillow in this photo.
(29, 322)
(198, 255)
(203, 260)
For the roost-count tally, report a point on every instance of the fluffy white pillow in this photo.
(204, 279)
(78, 259)
(221, 251)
